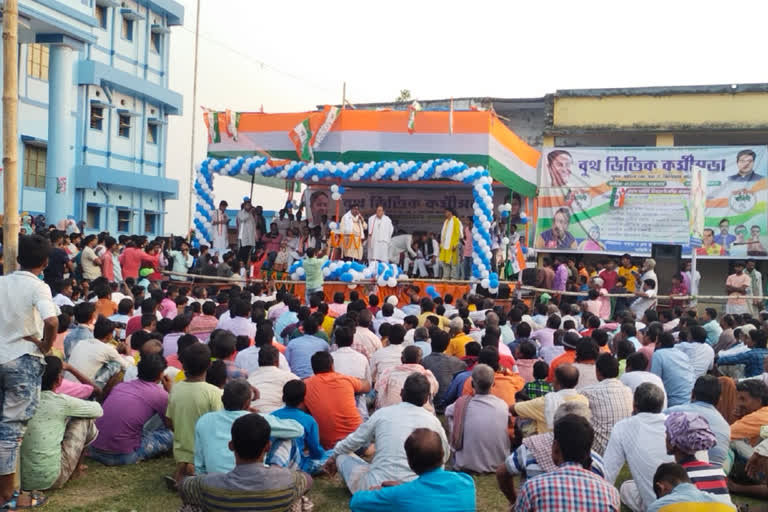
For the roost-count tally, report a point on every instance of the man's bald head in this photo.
(424, 450)
(566, 376)
(152, 346)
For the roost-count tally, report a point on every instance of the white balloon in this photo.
(486, 224)
(315, 178)
(334, 188)
(300, 271)
(485, 283)
(326, 271)
(505, 240)
(392, 282)
(485, 274)
(335, 196)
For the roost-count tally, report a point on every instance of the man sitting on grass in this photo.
(57, 435)
(97, 359)
(251, 485)
(133, 427)
(212, 429)
(446, 491)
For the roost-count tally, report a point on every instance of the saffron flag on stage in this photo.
(301, 136)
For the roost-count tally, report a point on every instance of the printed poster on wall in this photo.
(622, 200)
(411, 209)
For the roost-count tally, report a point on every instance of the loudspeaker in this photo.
(667, 258)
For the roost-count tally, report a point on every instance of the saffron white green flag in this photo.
(301, 135)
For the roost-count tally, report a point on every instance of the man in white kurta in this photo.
(220, 229)
(379, 236)
(246, 230)
(353, 234)
(402, 244)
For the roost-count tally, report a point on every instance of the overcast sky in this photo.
(291, 56)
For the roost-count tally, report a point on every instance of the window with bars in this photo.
(37, 61)
(127, 29)
(156, 41)
(150, 223)
(100, 12)
(152, 132)
(124, 125)
(97, 117)
(123, 220)
(34, 166)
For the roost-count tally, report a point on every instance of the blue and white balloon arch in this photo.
(308, 172)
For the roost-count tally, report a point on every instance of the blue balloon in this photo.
(341, 189)
(504, 214)
(524, 249)
(346, 277)
(524, 220)
(358, 267)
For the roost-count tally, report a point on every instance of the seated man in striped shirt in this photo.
(688, 433)
(251, 485)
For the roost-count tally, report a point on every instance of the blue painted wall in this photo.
(111, 177)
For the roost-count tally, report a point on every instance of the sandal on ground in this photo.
(170, 483)
(36, 500)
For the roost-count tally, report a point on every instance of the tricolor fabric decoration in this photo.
(477, 177)
(370, 135)
(301, 136)
(450, 119)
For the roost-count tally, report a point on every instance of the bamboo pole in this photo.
(10, 134)
(192, 174)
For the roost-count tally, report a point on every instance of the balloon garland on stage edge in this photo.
(309, 172)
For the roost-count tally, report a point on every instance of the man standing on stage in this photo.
(220, 229)
(379, 236)
(450, 236)
(353, 234)
(246, 229)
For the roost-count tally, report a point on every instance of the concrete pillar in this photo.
(61, 132)
(665, 139)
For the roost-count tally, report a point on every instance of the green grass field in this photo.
(140, 488)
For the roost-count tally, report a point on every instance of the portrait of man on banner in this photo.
(558, 236)
(745, 162)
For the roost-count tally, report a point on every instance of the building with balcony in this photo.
(94, 102)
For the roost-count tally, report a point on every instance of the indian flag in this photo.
(618, 195)
(518, 263)
(412, 108)
(331, 114)
(301, 136)
(233, 121)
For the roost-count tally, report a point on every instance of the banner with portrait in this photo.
(623, 200)
(412, 209)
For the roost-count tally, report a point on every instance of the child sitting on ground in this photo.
(539, 386)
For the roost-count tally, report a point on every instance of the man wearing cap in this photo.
(688, 433)
(246, 229)
(220, 229)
